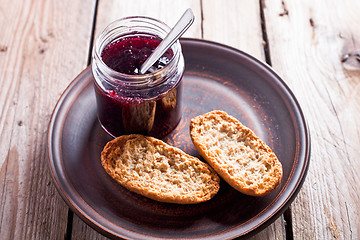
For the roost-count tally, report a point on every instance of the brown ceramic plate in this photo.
(216, 77)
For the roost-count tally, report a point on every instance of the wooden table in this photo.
(313, 45)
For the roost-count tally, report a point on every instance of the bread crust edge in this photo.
(106, 157)
(235, 183)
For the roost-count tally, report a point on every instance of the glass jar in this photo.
(128, 102)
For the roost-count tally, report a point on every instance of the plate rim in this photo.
(107, 232)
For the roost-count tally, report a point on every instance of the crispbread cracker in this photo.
(242, 159)
(156, 170)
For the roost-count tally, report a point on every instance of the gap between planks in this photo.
(287, 215)
(70, 218)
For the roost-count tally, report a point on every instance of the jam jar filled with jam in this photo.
(127, 101)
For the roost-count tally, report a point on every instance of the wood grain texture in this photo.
(167, 11)
(236, 24)
(314, 47)
(37, 63)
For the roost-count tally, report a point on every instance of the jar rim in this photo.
(126, 24)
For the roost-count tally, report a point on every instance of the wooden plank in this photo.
(236, 23)
(41, 51)
(166, 11)
(314, 46)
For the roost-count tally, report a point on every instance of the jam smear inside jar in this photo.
(150, 106)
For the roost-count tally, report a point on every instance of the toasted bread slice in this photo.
(156, 170)
(242, 159)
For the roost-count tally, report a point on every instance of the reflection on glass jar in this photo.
(128, 102)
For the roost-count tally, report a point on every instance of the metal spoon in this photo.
(180, 27)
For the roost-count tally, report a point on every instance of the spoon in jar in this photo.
(180, 27)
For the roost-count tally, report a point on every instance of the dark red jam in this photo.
(121, 113)
(129, 53)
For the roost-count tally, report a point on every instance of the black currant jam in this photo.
(120, 115)
(128, 54)
(128, 102)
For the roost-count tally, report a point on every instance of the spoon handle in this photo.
(180, 27)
